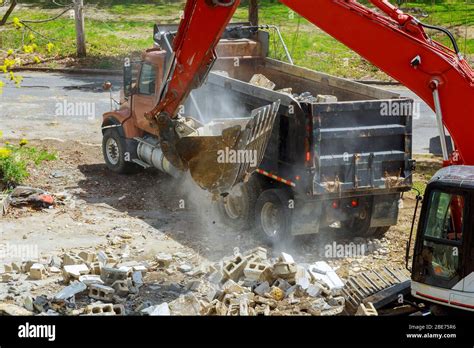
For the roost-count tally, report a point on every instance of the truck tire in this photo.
(273, 216)
(113, 150)
(237, 209)
(360, 227)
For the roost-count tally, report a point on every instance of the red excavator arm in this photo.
(393, 41)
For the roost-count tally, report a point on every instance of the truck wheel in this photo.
(361, 226)
(113, 149)
(273, 216)
(237, 209)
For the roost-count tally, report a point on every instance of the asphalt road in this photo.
(69, 106)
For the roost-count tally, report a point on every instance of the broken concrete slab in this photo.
(13, 310)
(158, 310)
(70, 291)
(75, 271)
(90, 279)
(321, 271)
(163, 259)
(185, 305)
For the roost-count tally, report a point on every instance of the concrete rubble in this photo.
(247, 284)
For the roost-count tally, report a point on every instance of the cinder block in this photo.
(321, 98)
(285, 271)
(100, 309)
(258, 254)
(101, 292)
(234, 269)
(111, 275)
(26, 266)
(262, 289)
(71, 259)
(88, 257)
(119, 309)
(284, 257)
(107, 257)
(121, 288)
(37, 271)
(6, 277)
(257, 271)
(95, 268)
(282, 284)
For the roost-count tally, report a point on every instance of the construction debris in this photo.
(262, 81)
(249, 283)
(27, 196)
(367, 310)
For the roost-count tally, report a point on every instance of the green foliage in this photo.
(118, 28)
(16, 160)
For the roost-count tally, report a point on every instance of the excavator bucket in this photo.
(225, 152)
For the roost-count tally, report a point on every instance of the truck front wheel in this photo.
(273, 216)
(114, 151)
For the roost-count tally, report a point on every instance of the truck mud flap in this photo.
(218, 163)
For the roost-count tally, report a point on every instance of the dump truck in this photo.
(337, 157)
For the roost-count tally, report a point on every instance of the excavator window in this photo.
(443, 235)
(146, 84)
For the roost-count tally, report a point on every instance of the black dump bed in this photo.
(358, 139)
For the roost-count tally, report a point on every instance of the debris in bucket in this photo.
(262, 81)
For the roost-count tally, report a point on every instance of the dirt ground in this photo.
(146, 213)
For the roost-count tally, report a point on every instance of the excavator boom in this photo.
(393, 41)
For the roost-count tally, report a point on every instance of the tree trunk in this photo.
(8, 13)
(253, 12)
(80, 33)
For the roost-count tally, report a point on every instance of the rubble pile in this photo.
(260, 80)
(97, 283)
(253, 284)
(100, 283)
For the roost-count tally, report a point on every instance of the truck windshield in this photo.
(443, 236)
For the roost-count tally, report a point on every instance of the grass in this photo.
(123, 28)
(17, 160)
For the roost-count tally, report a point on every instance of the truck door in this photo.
(145, 97)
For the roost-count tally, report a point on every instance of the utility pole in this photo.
(253, 12)
(80, 33)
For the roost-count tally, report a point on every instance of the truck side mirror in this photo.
(127, 78)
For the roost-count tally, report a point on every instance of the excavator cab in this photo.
(443, 262)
